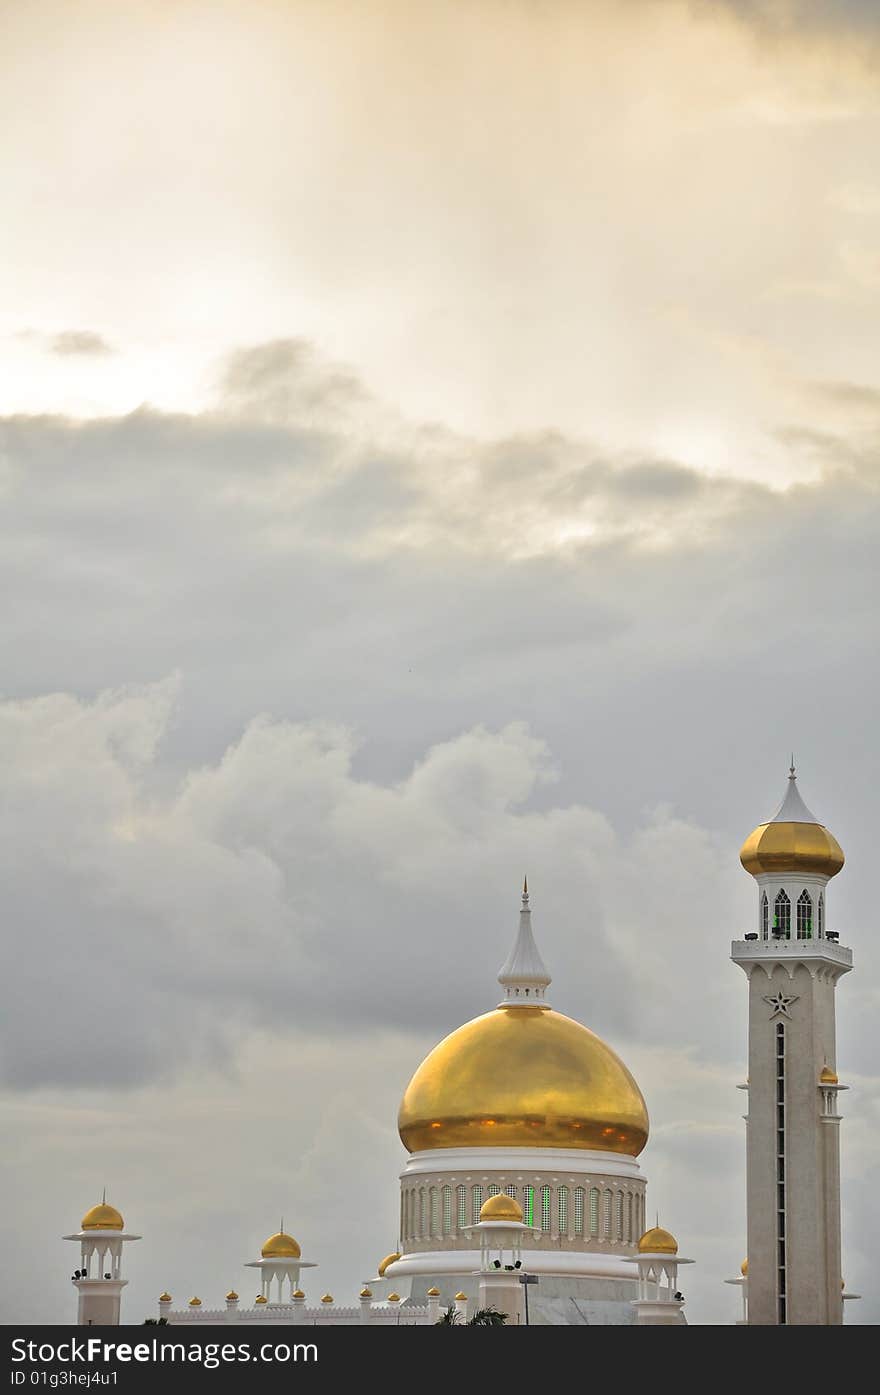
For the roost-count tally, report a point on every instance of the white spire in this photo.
(524, 977)
(793, 809)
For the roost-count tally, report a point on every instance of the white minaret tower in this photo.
(793, 962)
(99, 1279)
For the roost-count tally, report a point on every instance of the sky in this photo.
(437, 443)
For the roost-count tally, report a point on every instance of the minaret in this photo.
(793, 962)
(99, 1280)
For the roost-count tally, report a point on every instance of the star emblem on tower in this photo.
(780, 1003)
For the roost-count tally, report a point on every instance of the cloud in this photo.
(76, 342)
(404, 667)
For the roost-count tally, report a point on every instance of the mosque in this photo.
(522, 1189)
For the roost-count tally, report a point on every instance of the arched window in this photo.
(545, 1208)
(765, 917)
(630, 1233)
(618, 1216)
(461, 1199)
(594, 1210)
(562, 1198)
(820, 915)
(578, 1210)
(529, 1208)
(782, 917)
(493, 1190)
(421, 1213)
(447, 1210)
(510, 1191)
(805, 916)
(606, 1214)
(476, 1203)
(435, 1212)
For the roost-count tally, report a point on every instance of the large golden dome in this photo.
(523, 1077)
(792, 841)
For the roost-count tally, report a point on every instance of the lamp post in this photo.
(525, 1280)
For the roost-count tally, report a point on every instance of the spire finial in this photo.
(524, 977)
(104, 1197)
(282, 1225)
(657, 1219)
(791, 774)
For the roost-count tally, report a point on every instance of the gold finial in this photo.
(791, 771)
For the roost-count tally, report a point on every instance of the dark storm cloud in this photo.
(74, 342)
(464, 651)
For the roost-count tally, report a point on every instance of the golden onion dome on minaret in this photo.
(501, 1208)
(103, 1217)
(658, 1241)
(792, 841)
(828, 1076)
(523, 1076)
(281, 1246)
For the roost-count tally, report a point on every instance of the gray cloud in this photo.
(73, 342)
(472, 659)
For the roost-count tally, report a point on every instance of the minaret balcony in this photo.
(826, 951)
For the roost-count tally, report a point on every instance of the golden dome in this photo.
(394, 1298)
(792, 841)
(232, 1296)
(195, 1302)
(433, 1293)
(261, 1298)
(298, 1293)
(103, 1217)
(164, 1297)
(828, 1076)
(744, 1268)
(281, 1246)
(327, 1298)
(523, 1077)
(658, 1241)
(389, 1259)
(366, 1293)
(501, 1208)
(461, 1298)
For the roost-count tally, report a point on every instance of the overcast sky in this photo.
(438, 442)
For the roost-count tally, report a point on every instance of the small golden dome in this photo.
(744, 1268)
(828, 1076)
(501, 1208)
(195, 1302)
(103, 1217)
(792, 841)
(394, 1298)
(523, 1077)
(433, 1293)
(658, 1241)
(164, 1297)
(298, 1293)
(232, 1296)
(281, 1246)
(461, 1298)
(328, 1298)
(261, 1298)
(389, 1259)
(366, 1293)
